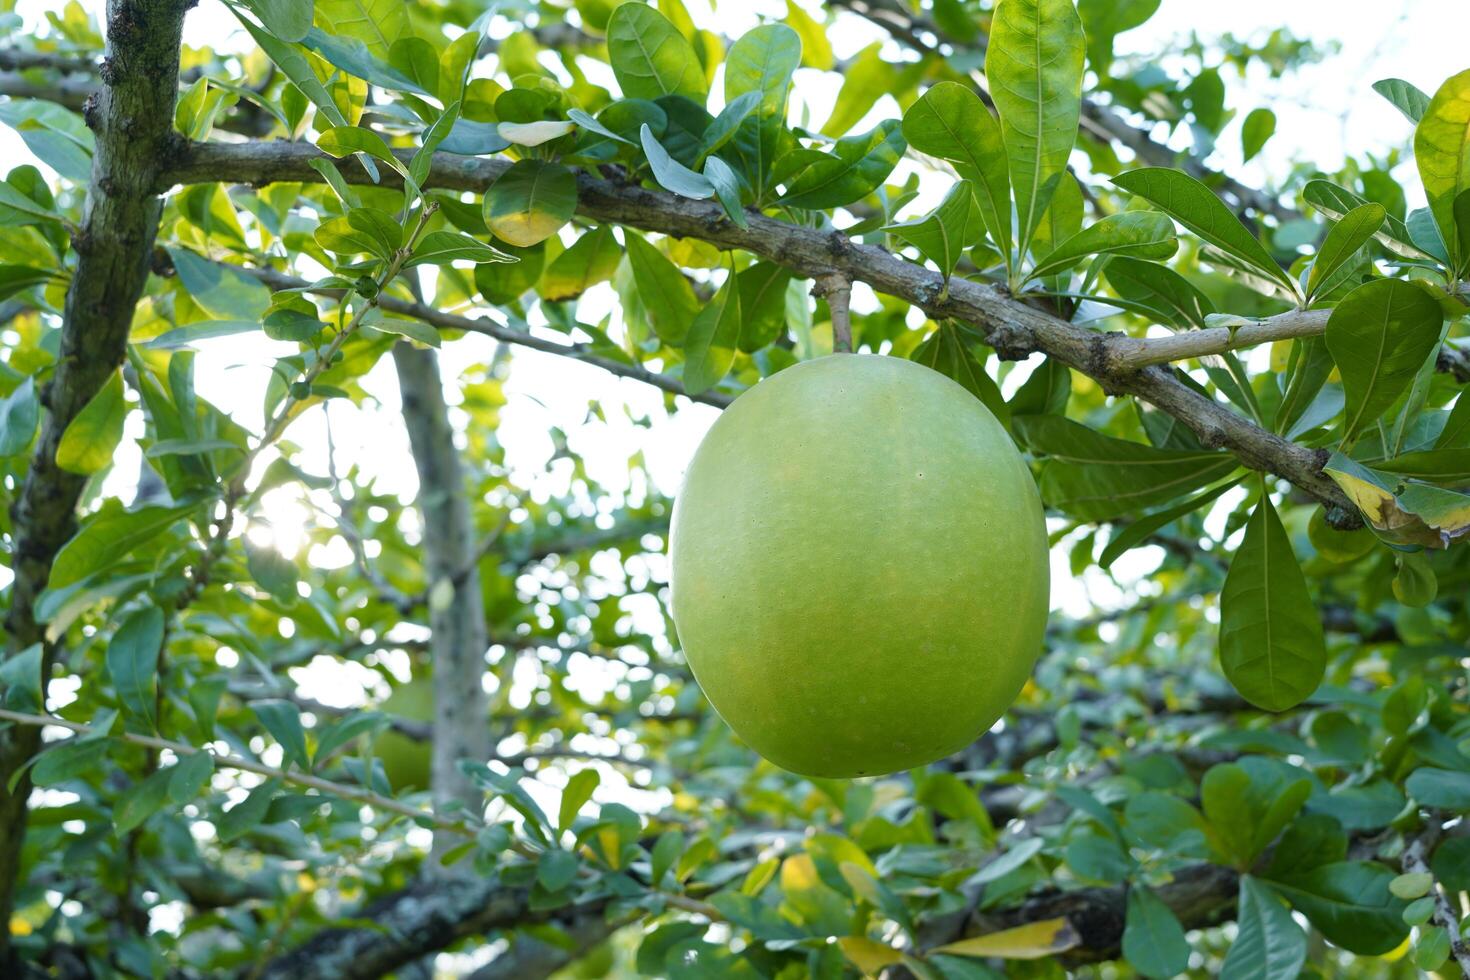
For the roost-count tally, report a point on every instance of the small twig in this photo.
(837, 288)
(248, 765)
(1414, 862)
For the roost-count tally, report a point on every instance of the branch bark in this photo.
(132, 116)
(1014, 328)
(1415, 861)
(458, 639)
(423, 918)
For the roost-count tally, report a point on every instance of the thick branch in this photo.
(1014, 328)
(1200, 895)
(425, 917)
(132, 117)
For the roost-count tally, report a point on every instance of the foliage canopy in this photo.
(1243, 407)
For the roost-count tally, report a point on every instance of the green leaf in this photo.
(1103, 20)
(866, 78)
(1097, 478)
(1268, 945)
(189, 777)
(1140, 234)
(762, 304)
(578, 791)
(1173, 299)
(650, 58)
(1196, 207)
(376, 23)
(531, 201)
(416, 330)
(272, 571)
(1034, 65)
(855, 168)
(950, 122)
(946, 352)
(943, 234)
(1335, 202)
(1138, 532)
(670, 173)
(592, 259)
(1153, 939)
(1379, 335)
(1248, 803)
(20, 413)
(283, 720)
(727, 188)
(295, 67)
(556, 869)
(18, 278)
(1442, 789)
(106, 537)
(434, 137)
(342, 141)
(714, 337)
(1442, 152)
(763, 61)
(246, 815)
(1258, 127)
(68, 760)
(223, 292)
(666, 294)
(665, 853)
(1271, 642)
(1350, 233)
(444, 247)
(91, 438)
(1351, 904)
(132, 663)
(288, 20)
(141, 800)
(20, 680)
(1403, 96)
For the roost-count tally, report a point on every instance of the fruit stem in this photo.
(837, 288)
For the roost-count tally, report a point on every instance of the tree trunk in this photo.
(456, 611)
(132, 116)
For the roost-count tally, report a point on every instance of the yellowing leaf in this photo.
(868, 955)
(1029, 942)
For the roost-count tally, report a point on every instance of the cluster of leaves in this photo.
(1143, 786)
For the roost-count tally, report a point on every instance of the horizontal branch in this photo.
(427, 916)
(1014, 328)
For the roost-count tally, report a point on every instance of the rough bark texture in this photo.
(1014, 328)
(530, 958)
(132, 116)
(429, 915)
(456, 611)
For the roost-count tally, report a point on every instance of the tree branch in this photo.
(1445, 915)
(132, 116)
(458, 639)
(499, 331)
(1014, 328)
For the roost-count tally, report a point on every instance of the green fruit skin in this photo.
(859, 567)
(407, 761)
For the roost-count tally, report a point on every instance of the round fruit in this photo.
(406, 760)
(859, 567)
